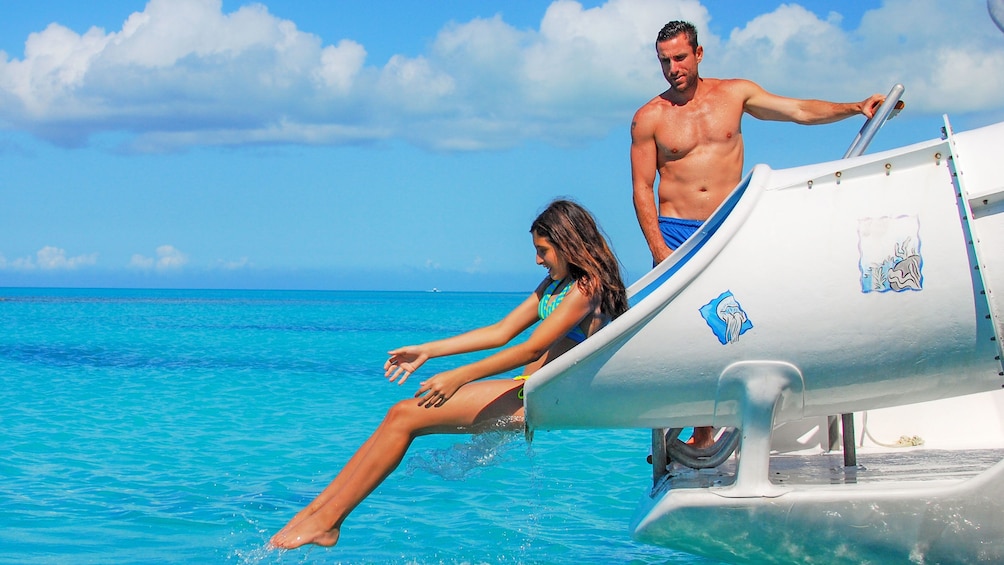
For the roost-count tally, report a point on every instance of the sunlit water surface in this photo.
(188, 426)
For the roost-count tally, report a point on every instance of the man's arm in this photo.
(644, 165)
(766, 106)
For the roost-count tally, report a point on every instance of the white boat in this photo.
(865, 290)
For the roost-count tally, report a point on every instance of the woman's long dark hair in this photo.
(574, 234)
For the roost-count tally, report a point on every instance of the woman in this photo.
(582, 292)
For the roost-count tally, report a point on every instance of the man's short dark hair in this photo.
(676, 27)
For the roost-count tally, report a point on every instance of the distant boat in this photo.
(434, 289)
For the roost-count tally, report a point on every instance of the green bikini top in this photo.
(549, 301)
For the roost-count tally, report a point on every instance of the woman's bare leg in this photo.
(333, 487)
(475, 407)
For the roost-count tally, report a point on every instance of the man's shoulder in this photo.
(731, 85)
(650, 109)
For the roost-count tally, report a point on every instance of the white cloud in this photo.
(950, 57)
(339, 65)
(167, 258)
(49, 258)
(52, 258)
(140, 262)
(183, 73)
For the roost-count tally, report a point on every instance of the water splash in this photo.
(463, 460)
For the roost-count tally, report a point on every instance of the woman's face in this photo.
(549, 258)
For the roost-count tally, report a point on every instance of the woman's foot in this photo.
(304, 532)
(299, 517)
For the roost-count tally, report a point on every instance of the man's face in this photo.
(679, 62)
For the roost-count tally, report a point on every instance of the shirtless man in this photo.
(690, 136)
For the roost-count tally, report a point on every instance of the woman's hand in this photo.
(437, 390)
(403, 362)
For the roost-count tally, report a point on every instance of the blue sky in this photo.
(382, 145)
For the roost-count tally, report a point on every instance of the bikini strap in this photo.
(548, 302)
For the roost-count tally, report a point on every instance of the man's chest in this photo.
(684, 129)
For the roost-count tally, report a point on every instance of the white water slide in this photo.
(844, 288)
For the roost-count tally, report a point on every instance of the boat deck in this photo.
(898, 466)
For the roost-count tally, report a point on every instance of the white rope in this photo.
(903, 441)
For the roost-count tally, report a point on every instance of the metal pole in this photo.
(833, 433)
(850, 453)
(873, 124)
(659, 456)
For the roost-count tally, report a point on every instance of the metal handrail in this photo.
(887, 111)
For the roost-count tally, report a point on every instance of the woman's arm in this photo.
(406, 360)
(572, 310)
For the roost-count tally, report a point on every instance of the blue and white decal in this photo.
(890, 254)
(726, 318)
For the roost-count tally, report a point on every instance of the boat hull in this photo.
(931, 521)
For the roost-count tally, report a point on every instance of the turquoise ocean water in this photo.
(141, 426)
